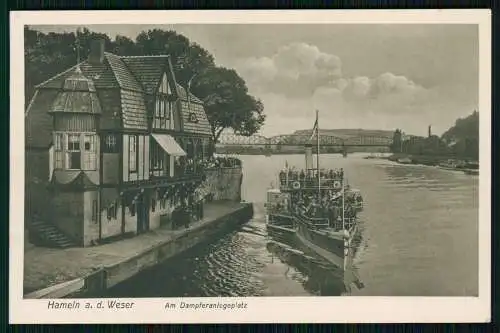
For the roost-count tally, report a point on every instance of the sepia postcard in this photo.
(250, 166)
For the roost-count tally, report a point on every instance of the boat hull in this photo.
(336, 249)
(329, 248)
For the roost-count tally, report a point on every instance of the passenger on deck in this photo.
(333, 213)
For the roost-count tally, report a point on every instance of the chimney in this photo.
(430, 131)
(96, 55)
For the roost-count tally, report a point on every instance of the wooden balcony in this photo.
(166, 180)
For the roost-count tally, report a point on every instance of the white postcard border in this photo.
(259, 309)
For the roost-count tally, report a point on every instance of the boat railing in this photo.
(318, 223)
(315, 221)
(348, 223)
(310, 183)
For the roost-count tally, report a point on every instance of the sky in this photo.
(370, 76)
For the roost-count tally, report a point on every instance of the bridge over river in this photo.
(233, 143)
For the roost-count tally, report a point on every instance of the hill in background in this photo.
(348, 133)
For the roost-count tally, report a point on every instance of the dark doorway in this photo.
(143, 213)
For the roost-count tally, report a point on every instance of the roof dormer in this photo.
(78, 95)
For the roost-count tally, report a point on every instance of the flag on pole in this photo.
(315, 129)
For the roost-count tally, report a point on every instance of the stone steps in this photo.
(49, 235)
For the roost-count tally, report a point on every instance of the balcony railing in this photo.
(188, 170)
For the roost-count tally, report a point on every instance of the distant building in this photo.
(115, 138)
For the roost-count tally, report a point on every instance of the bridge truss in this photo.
(230, 139)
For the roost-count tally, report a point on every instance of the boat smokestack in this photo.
(309, 157)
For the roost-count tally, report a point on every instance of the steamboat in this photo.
(317, 208)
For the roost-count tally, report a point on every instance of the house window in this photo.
(110, 144)
(73, 160)
(75, 151)
(89, 150)
(58, 141)
(157, 158)
(58, 151)
(153, 205)
(132, 153)
(168, 109)
(94, 210)
(163, 110)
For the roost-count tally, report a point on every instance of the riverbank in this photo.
(418, 159)
(52, 273)
(430, 160)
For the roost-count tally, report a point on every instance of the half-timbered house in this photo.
(119, 143)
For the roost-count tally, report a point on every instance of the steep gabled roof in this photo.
(135, 76)
(123, 75)
(183, 94)
(111, 73)
(147, 69)
(201, 124)
(101, 74)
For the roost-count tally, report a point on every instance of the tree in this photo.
(465, 136)
(187, 58)
(467, 127)
(227, 102)
(224, 92)
(125, 46)
(46, 55)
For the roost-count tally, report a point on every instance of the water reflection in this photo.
(319, 277)
(419, 234)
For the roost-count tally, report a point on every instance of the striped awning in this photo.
(169, 145)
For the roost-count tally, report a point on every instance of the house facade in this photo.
(116, 144)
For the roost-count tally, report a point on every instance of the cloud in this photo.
(300, 69)
(296, 69)
(298, 60)
(299, 78)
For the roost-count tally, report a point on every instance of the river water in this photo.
(419, 238)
